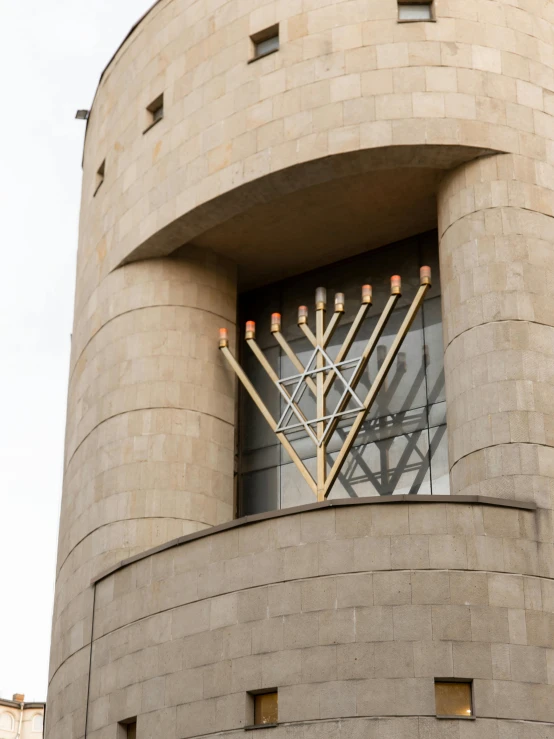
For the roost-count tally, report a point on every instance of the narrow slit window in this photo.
(155, 112)
(415, 11)
(454, 699)
(265, 42)
(100, 174)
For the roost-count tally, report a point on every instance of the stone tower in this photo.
(237, 153)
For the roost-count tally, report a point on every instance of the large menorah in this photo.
(321, 373)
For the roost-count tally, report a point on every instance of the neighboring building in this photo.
(20, 719)
(202, 587)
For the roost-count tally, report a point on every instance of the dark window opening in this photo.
(415, 11)
(264, 708)
(265, 42)
(127, 729)
(155, 112)
(100, 176)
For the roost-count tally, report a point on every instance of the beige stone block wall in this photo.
(496, 228)
(149, 441)
(347, 77)
(149, 452)
(351, 612)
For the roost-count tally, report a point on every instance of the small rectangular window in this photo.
(422, 11)
(155, 112)
(454, 698)
(127, 729)
(265, 42)
(100, 176)
(265, 708)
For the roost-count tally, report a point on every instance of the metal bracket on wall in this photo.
(321, 372)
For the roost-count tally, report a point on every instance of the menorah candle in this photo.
(250, 330)
(302, 314)
(320, 298)
(425, 275)
(223, 338)
(367, 294)
(339, 303)
(275, 323)
(395, 285)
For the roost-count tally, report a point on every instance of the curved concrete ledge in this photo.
(339, 503)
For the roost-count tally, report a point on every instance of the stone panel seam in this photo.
(136, 310)
(310, 579)
(372, 717)
(492, 323)
(494, 207)
(139, 410)
(493, 446)
(124, 520)
(335, 503)
(69, 656)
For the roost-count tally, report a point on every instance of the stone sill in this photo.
(151, 125)
(255, 727)
(457, 718)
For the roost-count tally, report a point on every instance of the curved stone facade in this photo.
(348, 133)
(351, 612)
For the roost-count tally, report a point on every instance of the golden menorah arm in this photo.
(332, 327)
(308, 334)
(262, 359)
(283, 343)
(376, 386)
(368, 351)
(352, 332)
(251, 390)
(347, 343)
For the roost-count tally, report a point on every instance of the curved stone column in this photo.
(496, 230)
(150, 436)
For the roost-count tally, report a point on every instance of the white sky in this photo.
(51, 56)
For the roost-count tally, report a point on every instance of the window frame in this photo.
(427, 3)
(465, 681)
(258, 38)
(40, 716)
(100, 177)
(125, 726)
(253, 694)
(11, 717)
(155, 106)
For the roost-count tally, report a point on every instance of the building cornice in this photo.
(17, 704)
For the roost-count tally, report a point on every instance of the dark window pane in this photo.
(260, 492)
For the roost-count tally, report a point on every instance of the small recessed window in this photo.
(454, 698)
(265, 705)
(155, 112)
(128, 729)
(100, 176)
(415, 11)
(265, 42)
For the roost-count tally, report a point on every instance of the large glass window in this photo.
(402, 445)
